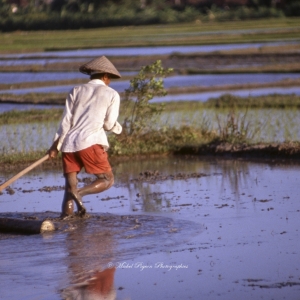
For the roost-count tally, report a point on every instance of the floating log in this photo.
(25, 226)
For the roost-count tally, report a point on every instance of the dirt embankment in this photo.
(273, 151)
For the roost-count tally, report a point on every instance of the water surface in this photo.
(246, 245)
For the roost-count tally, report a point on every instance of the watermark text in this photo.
(146, 266)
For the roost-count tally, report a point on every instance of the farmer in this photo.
(90, 110)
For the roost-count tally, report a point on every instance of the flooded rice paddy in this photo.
(141, 51)
(171, 228)
(213, 81)
(200, 96)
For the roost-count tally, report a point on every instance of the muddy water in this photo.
(170, 228)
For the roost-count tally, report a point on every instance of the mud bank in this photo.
(274, 151)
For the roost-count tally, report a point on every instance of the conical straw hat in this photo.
(100, 65)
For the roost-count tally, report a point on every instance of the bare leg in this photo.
(71, 183)
(104, 182)
(67, 206)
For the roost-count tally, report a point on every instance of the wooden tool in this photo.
(11, 180)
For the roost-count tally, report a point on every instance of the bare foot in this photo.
(78, 200)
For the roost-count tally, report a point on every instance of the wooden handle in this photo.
(11, 180)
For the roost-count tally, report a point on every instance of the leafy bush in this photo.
(138, 113)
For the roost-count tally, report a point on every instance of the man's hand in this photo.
(52, 153)
(53, 150)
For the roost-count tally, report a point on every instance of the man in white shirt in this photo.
(90, 110)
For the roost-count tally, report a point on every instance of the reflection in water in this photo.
(226, 180)
(236, 176)
(81, 259)
(96, 246)
(160, 192)
(90, 252)
(99, 286)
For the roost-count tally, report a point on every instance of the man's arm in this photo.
(112, 113)
(64, 126)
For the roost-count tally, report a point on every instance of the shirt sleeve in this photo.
(112, 113)
(66, 121)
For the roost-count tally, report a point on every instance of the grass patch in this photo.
(21, 157)
(162, 141)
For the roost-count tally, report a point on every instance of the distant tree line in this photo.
(74, 14)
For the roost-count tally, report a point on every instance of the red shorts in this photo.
(93, 160)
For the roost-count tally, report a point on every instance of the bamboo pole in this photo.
(23, 172)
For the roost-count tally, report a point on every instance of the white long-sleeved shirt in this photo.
(90, 109)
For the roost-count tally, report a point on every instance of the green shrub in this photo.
(138, 112)
(236, 128)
